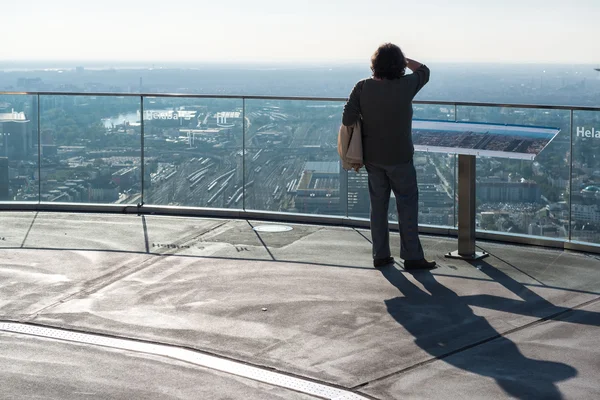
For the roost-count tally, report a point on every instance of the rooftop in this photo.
(125, 306)
(323, 167)
(13, 117)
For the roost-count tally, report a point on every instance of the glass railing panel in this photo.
(193, 152)
(435, 173)
(292, 164)
(19, 173)
(520, 196)
(585, 190)
(90, 149)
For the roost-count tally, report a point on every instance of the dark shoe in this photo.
(382, 262)
(419, 264)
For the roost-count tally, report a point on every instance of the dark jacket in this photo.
(386, 110)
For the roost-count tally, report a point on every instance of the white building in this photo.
(585, 213)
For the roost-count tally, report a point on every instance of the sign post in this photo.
(466, 211)
(469, 140)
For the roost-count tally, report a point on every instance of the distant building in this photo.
(103, 195)
(508, 192)
(318, 190)
(585, 213)
(430, 196)
(15, 135)
(558, 182)
(358, 194)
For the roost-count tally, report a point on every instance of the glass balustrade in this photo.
(193, 152)
(291, 158)
(585, 186)
(523, 197)
(280, 155)
(90, 149)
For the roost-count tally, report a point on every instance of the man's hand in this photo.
(412, 64)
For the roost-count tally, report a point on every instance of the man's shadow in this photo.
(443, 324)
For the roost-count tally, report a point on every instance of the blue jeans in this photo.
(402, 179)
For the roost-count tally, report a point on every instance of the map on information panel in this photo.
(508, 141)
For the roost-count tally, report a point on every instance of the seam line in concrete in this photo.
(194, 357)
(431, 360)
(101, 282)
(29, 230)
(145, 227)
(108, 279)
(114, 276)
(361, 234)
(262, 241)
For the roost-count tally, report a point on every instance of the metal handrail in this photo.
(306, 98)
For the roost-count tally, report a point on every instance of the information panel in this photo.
(508, 141)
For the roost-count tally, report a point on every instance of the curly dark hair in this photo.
(388, 62)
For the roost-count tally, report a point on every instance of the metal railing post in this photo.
(39, 132)
(455, 178)
(142, 152)
(244, 153)
(570, 234)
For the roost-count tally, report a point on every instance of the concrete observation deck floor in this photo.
(303, 305)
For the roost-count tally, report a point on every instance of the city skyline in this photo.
(270, 31)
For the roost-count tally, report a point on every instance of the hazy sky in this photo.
(556, 31)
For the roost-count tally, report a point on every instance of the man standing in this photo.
(384, 102)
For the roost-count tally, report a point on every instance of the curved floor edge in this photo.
(193, 357)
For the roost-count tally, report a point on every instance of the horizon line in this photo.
(77, 63)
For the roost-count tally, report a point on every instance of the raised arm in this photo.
(420, 73)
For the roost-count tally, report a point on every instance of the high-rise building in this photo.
(358, 194)
(509, 192)
(15, 135)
